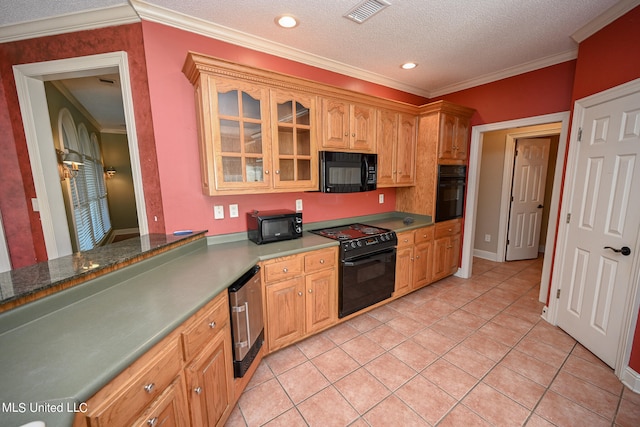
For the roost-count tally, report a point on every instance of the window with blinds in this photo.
(88, 193)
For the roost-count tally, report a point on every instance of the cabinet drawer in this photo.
(446, 229)
(284, 268)
(136, 387)
(406, 238)
(206, 325)
(319, 260)
(424, 234)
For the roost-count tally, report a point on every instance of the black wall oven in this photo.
(450, 198)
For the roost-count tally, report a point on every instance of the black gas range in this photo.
(367, 265)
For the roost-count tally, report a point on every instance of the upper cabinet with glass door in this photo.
(241, 136)
(295, 159)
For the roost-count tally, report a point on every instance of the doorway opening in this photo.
(560, 123)
(30, 79)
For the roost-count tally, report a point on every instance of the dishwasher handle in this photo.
(244, 279)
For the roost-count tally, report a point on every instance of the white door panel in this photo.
(604, 204)
(529, 180)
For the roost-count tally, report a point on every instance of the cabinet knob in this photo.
(266, 172)
(149, 387)
(299, 294)
(310, 291)
(450, 230)
(353, 135)
(197, 390)
(417, 256)
(152, 421)
(212, 325)
(278, 172)
(346, 134)
(322, 261)
(285, 270)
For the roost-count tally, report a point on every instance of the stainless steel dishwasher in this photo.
(247, 325)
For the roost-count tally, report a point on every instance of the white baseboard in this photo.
(631, 379)
(491, 256)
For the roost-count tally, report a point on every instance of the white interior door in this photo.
(527, 198)
(604, 201)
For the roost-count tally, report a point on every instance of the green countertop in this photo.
(60, 350)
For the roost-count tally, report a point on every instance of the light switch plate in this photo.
(299, 205)
(218, 212)
(233, 211)
(381, 198)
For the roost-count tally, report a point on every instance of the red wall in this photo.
(174, 121)
(607, 59)
(24, 232)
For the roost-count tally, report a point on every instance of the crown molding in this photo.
(86, 20)
(508, 72)
(604, 19)
(158, 14)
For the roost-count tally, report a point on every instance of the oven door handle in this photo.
(375, 257)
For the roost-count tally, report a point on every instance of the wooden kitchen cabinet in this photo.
(423, 257)
(144, 388)
(454, 139)
(396, 144)
(414, 260)
(441, 127)
(446, 248)
(300, 296)
(285, 312)
(169, 410)
(404, 263)
(206, 340)
(209, 380)
(295, 154)
(348, 127)
(235, 136)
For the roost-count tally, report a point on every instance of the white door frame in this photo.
(630, 316)
(473, 181)
(30, 80)
(5, 259)
(507, 182)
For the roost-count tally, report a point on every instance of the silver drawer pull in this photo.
(212, 325)
(197, 390)
(152, 422)
(149, 387)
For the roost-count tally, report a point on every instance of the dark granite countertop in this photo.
(27, 282)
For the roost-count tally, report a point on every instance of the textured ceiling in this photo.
(456, 43)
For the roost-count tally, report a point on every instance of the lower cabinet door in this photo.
(404, 270)
(285, 308)
(169, 410)
(321, 303)
(423, 264)
(210, 382)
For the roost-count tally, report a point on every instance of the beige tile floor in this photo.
(471, 352)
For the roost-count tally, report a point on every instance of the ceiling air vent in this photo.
(366, 10)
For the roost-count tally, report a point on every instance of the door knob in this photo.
(540, 206)
(623, 250)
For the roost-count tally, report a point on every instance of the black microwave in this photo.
(342, 172)
(273, 226)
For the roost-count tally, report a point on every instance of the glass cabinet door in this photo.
(294, 140)
(242, 154)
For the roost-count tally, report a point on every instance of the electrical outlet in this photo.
(233, 211)
(487, 237)
(218, 212)
(299, 205)
(381, 198)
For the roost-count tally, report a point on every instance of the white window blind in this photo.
(88, 190)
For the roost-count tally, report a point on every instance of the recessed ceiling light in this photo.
(409, 65)
(286, 21)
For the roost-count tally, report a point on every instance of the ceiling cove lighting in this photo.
(286, 21)
(409, 65)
